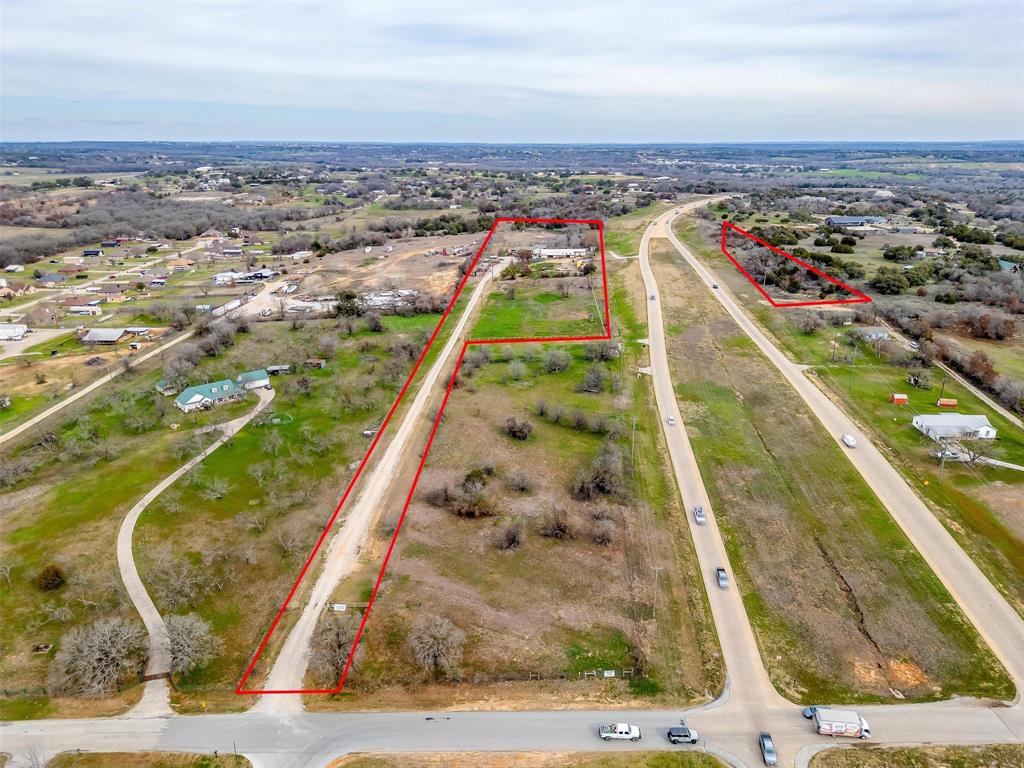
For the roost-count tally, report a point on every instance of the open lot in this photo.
(535, 631)
(146, 760)
(843, 607)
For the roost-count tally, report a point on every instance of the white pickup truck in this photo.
(619, 731)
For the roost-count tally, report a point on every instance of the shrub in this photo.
(471, 506)
(519, 481)
(519, 430)
(594, 379)
(556, 526)
(556, 360)
(436, 646)
(604, 533)
(510, 536)
(50, 578)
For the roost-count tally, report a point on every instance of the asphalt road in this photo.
(728, 726)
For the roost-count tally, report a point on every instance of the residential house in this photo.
(14, 268)
(953, 426)
(51, 279)
(70, 269)
(93, 252)
(208, 395)
(873, 333)
(180, 265)
(853, 221)
(75, 260)
(254, 379)
(12, 288)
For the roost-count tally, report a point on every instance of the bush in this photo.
(510, 537)
(556, 360)
(471, 506)
(556, 526)
(594, 379)
(519, 481)
(436, 646)
(604, 533)
(50, 578)
(519, 430)
(95, 659)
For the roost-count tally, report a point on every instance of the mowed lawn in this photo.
(535, 308)
(843, 606)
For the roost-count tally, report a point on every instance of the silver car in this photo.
(698, 516)
(768, 754)
(723, 578)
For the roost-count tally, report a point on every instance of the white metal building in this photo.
(943, 426)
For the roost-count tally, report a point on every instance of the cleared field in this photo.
(531, 760)
(843, 606)
(996, 756)
(532, 627)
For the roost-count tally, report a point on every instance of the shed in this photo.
(898, 399)
(946, 402)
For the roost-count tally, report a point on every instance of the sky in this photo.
(510, 72)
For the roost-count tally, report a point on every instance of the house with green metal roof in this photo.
(254, 379)
(208, 395)
(165, 388)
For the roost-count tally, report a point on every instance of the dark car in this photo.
(764, 741)
(809, 712)
(682, 735)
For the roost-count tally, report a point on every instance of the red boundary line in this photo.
(240, 689)
(861, 297)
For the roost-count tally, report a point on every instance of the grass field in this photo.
(535, 307)
(994, 756)
(843, 607)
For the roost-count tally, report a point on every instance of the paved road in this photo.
(38, 336)
(1000, 626)
(344, 548)
(155, 698)
(728, 725)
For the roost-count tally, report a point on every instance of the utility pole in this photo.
(853, 355)
(943, 388)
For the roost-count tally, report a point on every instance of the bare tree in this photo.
(93, 659)
(331, 644)
(436, 645)
(192, 642)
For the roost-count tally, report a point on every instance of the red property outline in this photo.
(862, 298)
(240, 689)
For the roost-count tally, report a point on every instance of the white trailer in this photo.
(841, 722)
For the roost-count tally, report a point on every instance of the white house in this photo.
(941, 426)
(14, 268)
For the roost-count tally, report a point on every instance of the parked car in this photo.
(671, 421)
(915, 345)
(723, 578)
(698, 515)
(619, 731)
(809, 712)
(768, 754)
(680, 734)
(849, 441)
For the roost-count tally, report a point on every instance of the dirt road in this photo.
(155, 700)
(343, 551)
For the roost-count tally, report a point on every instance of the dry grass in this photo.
(995, 756)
